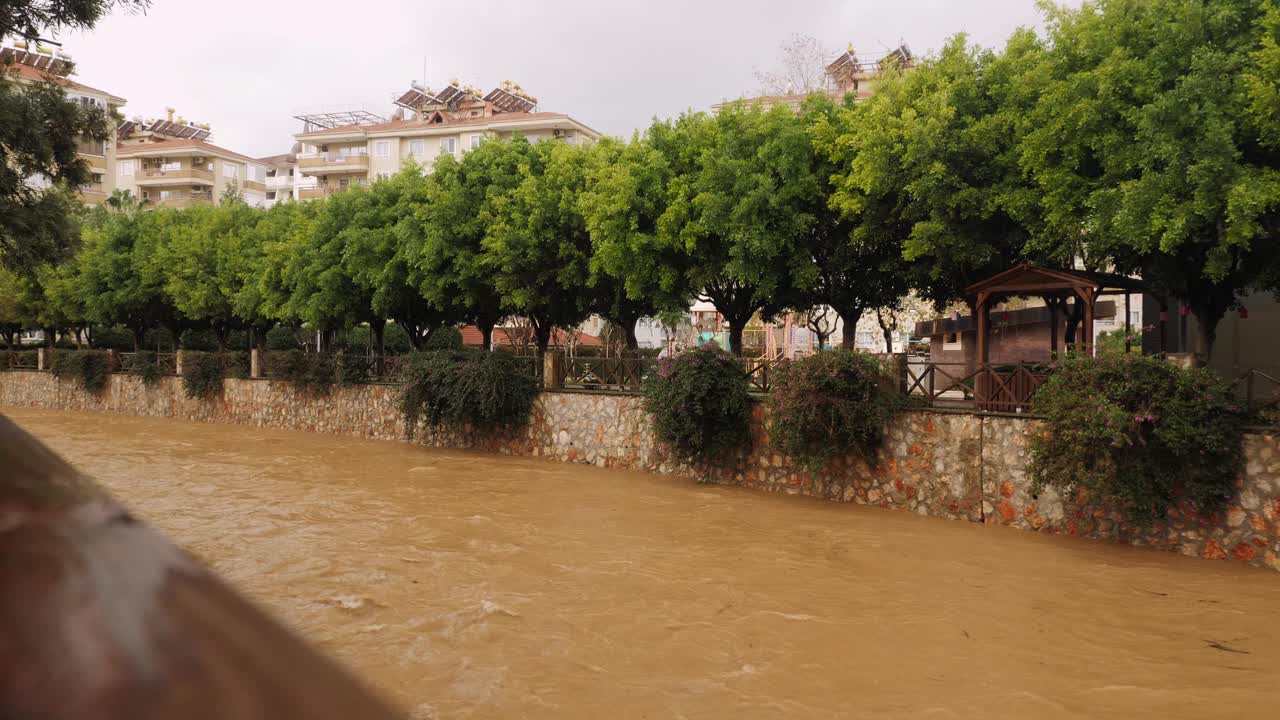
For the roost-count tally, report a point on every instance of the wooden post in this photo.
(177, 362)
(41, 362)
(553, 369)
(1086, 343)
(984, 351)
(1127, 324)
(255, 364)
(1052, 304)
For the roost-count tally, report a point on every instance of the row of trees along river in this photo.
(1139, 136)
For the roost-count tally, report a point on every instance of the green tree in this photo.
(732, 196)
(376, 261)
(122, 273)
(931, 161)
(205, 258)
(35, 222)
(857, 255)
(537, 241)
(443, 235)
(1154, 139)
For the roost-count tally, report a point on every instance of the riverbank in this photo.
(937, 464)
(473, 585)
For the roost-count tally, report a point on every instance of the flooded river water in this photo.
(474, 586)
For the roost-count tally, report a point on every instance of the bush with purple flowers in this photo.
(1140, 433)
(700, 403)
(827, 404)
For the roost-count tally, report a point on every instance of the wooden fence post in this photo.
(40, 359)
(553, 370)
(255, 364)
(177, 363)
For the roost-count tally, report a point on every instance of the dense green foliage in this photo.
(146, 368)
(460, 389)
(91, 368)
(825, 405)
(1139, 433)
(700, 404)
(203, 372)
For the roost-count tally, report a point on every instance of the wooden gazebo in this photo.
(1055, 287)
(1010, 387)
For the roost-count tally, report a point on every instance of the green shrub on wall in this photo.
(146, 367)
(1139, 433)
(202, 374)
(309, 373)
(700, 404)
(461, 388)
(827, 404)
(91, 368)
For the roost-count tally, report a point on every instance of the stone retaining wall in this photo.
(938, 464)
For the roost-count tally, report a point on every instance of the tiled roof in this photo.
(472, 336)
(127, 150)
(26, 72)
(274, 159)
(423, 124)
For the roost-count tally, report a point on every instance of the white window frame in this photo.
(418, 148)
(452, 145)
(476, 140)
(383, 176)
(127, 168)
(382, 148)
(230, 170)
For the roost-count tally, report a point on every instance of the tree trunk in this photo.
(1207, 319)
(849, 318)
(486, 332)
(542, 336)
(736, 327)
(379, 330)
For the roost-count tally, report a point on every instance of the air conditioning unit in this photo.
(557, 132)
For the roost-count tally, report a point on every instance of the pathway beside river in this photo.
(478, 586)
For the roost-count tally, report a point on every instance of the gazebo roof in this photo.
(1029, 279)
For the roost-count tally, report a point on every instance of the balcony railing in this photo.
(180, 173)
(178, 200)
(333, 162)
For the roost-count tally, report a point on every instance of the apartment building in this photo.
(170, 163)
(284, 181)
(26, 65)
(352, 148)
(846, 75)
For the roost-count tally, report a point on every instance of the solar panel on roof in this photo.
(415, 98)
(507, 101)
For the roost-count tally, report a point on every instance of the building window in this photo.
(271, 195)
(476, 140)
(89, 146)
(418, 148)
(231, 171)
(384, 176)
(382, 148)
(126, 168)
(448, 146)
(170, 166)
(253, 173)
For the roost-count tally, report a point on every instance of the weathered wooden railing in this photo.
(988, 387)
(606, 373)
(21, 359)
(1259, 390)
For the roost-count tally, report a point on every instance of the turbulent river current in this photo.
(465, 585)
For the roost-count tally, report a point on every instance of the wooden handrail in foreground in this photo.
(103, 617)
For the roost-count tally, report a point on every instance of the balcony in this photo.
(171, 176)
(178, 200)
(323, 191)
(279, 182)
(330, 163)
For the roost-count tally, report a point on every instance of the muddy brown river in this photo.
(474, 586)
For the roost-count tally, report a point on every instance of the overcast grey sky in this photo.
(247, 66)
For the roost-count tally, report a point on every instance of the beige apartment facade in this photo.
(30, 66)
(183, 173)
(360, 148)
